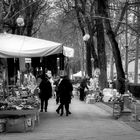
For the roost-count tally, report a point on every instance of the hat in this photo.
(63, 74)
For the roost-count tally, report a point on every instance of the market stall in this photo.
(19, 108)
(19, 103)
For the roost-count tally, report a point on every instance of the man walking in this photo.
(65, 93)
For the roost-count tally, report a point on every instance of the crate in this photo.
(20, 124)
(90, 100)
(15, 125)
(30, 123)
(2, 125)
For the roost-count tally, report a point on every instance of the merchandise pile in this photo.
(20, 99)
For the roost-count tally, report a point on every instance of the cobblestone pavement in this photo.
(87, 122)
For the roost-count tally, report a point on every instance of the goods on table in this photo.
(19, 109)
(20, 99)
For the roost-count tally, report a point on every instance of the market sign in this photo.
(27, 60)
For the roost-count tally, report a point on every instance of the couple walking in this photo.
(64, 93)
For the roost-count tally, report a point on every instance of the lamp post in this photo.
(86, 37)
(58, 65)
(20, 23)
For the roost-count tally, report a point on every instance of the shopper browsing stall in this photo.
(45, 92)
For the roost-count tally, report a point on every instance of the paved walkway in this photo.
(87, 122)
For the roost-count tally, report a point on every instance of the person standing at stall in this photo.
(65, 89)
(83, 86)
(56, 83)
(45, 92)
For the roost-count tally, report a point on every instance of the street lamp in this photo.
(86, 37)
(20, 21)
(58, 65)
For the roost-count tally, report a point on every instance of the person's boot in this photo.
(69, 112)
(61, 112)
(57, 111)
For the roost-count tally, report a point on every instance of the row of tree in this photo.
(68, 21)
(106, 21)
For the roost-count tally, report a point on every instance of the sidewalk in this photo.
(87, 122)
(127, 118)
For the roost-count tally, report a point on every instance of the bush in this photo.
(134, 89)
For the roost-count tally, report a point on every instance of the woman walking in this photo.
(45, 92)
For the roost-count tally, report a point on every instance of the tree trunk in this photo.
(101, 48)
(137, 50)
(88, 58)
(136, 62)
(116, 51)
(94, 55)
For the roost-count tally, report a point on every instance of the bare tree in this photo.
(34, 13)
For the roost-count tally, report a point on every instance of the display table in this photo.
(18, 112)
(20, 120)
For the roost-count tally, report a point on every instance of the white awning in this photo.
(78, 74)
(12, 45)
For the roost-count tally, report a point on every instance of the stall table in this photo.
(20, 120)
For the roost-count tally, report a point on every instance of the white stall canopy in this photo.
(23, 46)
(78, 74)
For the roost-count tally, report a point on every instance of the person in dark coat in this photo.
(56, 83)
(65, 89)
(45, 92)
(83, 85)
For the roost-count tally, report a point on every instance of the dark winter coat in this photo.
(45, 89)
(65, 91)
(83, 84)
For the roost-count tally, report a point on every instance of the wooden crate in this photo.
(20, 124)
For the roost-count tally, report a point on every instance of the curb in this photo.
(104, 107)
